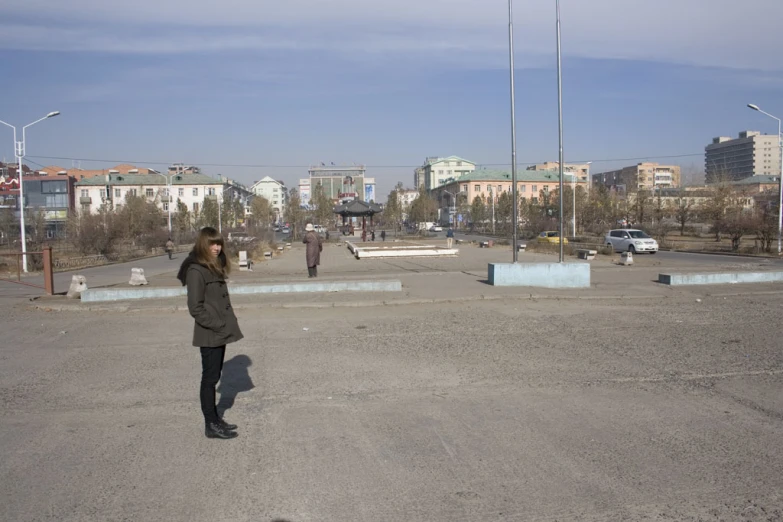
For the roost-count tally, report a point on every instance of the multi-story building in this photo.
(751, 154)
(436, 171)
(274, 192)
(643, 176)
(190, 189)
(340, 183)
(418, 176)
(582, 170)
(51, 195)
(490, 184)
(181, 168)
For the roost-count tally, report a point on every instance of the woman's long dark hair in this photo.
(208, 236)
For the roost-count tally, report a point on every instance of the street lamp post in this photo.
(19, 149)
(560, 124)
(780, 179)
(514, 189)
(168, 193)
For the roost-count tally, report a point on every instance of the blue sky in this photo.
(383, 83)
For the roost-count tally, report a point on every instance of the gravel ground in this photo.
(488, 410)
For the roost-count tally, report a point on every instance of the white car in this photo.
(630, 240)
(436, 228)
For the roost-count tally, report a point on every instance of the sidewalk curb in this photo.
(125, 308)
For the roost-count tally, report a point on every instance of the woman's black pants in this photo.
(211, 366)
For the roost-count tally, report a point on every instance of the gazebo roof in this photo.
(358, 208)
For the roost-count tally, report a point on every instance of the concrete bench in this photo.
(486, 244)
(459, 241)
(521, 247)
(268, 255)
(586, 253)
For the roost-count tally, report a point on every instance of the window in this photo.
(195, 192)
(448, 172)
(165, 207)
(117, 193)
(464, 188)
(132, 192)
(150, 193)
(85, 193)
(535, 188)
(546, 188)
(459, 163)
(54, 187)
(181, 192)
(211, 191)
(103, 194)
(195, 206)
(523, 188)
(477, 188)
(166, 191)
(500, 189)
(57, 201)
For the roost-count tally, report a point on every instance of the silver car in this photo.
(630, 240)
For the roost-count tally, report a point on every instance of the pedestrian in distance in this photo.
(170, 248)
(383, 235)
(372, 236)
(449, 237)
(204, 272)
(314, 246)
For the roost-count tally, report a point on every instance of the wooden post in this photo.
(47, 270)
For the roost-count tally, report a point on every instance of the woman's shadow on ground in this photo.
(234, 379)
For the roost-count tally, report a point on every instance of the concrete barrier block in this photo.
(718, 278)
(626, 259)
(543, 275)
(78, 285)
(137, 277)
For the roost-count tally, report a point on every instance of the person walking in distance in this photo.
(204, 272)
(383, 235)
(313, 250)
(170, 248)
(449, 237)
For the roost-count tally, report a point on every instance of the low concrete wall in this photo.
(719, 278)
(543, 275)
(122, 294)
(422, 252)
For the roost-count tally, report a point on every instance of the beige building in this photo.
(582, 170)
(751, 154)
(643, 176)
(490, 184)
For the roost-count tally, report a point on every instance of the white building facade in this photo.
(190, 189)
(437, 171)
(274, 192)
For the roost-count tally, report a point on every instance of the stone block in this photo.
(543, 275)
(626, 259)
(78, 285)
(137, 277)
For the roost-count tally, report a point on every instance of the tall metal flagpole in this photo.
(560, 124)
(514, 190)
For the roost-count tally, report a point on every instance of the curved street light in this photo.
(780, 179)
(19, 150)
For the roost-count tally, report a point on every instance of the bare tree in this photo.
(683, 209)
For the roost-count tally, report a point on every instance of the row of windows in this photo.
(522, 188)
(150, 193)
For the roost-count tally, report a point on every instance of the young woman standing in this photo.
(204, 272)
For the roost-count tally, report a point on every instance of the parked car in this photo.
(630, 240)
(551, 236)
(436, 228)
(286, 230)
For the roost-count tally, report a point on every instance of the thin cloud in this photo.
(691, 32)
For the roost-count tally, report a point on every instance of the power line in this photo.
(264, 166)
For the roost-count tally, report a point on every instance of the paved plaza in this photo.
(453, 401)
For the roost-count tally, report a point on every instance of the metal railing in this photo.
(48, 271)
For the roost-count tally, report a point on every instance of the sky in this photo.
(254, 88)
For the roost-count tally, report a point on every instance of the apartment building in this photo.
(750, 154)
(642, 176)
(436, 171)
(490, 184)
(190, 189)
(274, 192)
(581, 170)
